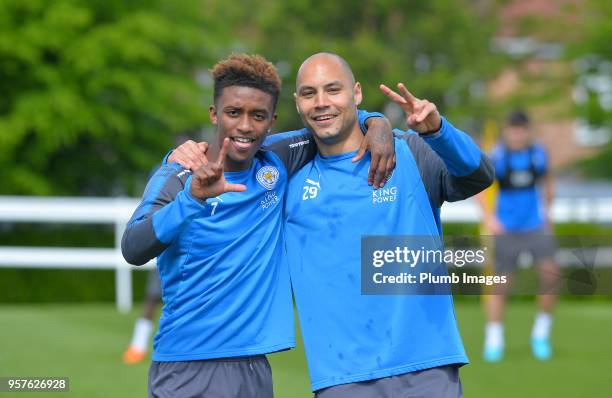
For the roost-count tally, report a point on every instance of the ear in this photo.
(357, 93)
(296, 105)
(212, 111)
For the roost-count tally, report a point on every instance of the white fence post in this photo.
(123, 273)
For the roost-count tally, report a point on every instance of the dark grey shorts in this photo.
(246, 377)
(440, 382)
(540, 243)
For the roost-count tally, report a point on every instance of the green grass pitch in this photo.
(85, 342)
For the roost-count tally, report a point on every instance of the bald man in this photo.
(372, 345)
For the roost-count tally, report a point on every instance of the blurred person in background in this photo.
(521, 222)
(144, 325)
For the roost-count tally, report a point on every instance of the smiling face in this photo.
(327, 98)
(244, 115)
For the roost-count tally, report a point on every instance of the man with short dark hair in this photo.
(216, 230)
(521, 223)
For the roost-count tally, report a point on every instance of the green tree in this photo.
(440, 49)
(94, 90)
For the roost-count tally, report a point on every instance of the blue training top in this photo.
(350, 337)
(520, 209)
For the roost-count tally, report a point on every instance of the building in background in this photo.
(535, 34)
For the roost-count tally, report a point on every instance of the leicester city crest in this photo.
(267, 176)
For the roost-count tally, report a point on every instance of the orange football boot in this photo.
(133, 355)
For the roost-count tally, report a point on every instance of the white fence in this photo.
(116, 211)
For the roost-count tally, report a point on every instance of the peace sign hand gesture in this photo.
(422, 116)
(208, 180)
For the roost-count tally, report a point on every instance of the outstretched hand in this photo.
(208, 180)
(422, 116)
